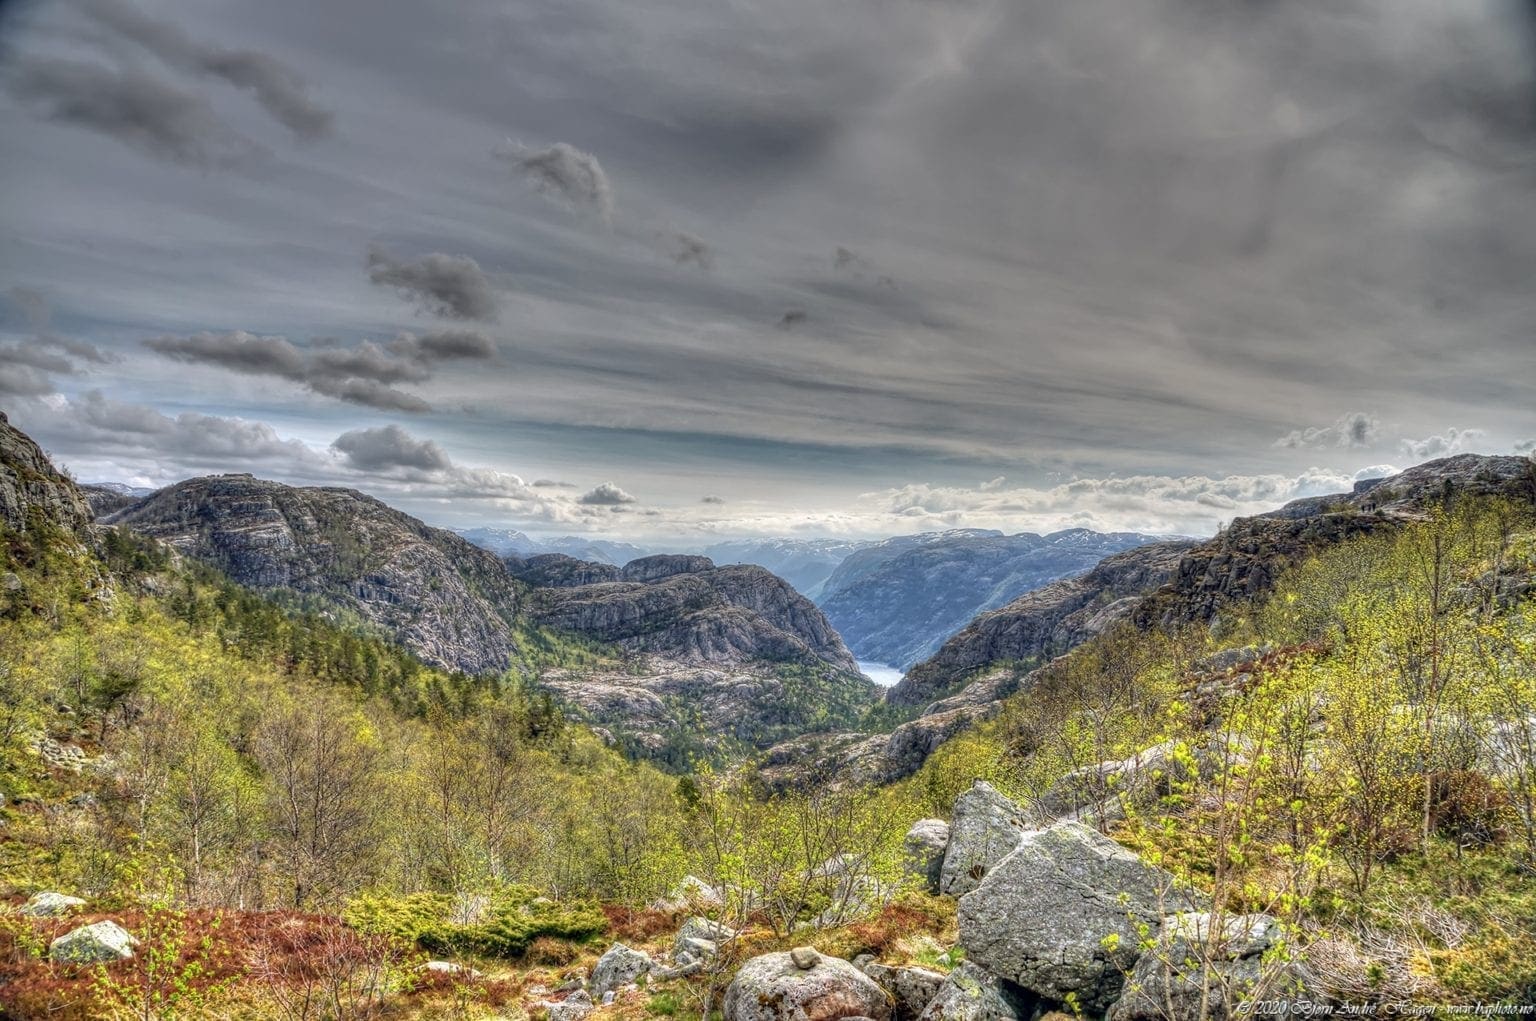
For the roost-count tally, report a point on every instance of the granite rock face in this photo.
(31, 488)
(689, 611)
(1044, 623)
(449, 601)
(897, 601)
(923, 852)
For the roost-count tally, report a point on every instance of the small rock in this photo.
(449, 968)
(574, 1007)
(608, 997)
(93, 944)
(805, 958)
(51, 905)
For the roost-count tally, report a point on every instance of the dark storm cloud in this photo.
(566, 174)
(390, 447)
(280, 90)
(154, 116)
(365, 373)
(452, 286)
(1130, 238)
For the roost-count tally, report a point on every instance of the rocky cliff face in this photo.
(1045, 623)
(685, 609)
(32, 490)
(447, 600)
(896, 602)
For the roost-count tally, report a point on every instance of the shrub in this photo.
(513, 919)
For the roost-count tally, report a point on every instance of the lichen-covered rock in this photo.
(51, 905)
(575, 1007)
(690, 891)
(1186, 965)
(923, 852)
(1097, 793)
(1061, 915)
(986, 826)
(618, 968)
(911, 988)
(971, 994)
(98, 943)
(699, 939)
(774, 988)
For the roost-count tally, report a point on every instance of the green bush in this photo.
(514, 918)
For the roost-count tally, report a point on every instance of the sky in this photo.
(696, 269)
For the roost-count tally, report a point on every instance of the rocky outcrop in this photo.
(1062, 915)
(690, 611)
(449, 601)
(985, 828)
(1221, 962)
(100, 943)
(32, 491)
(970, 993)
(923, 853)
(556, 570)
(1044, 623)
(897, 601)
(656, 701)
(802, 985)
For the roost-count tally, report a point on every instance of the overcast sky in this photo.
(677, 268)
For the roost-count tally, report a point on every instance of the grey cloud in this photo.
(607, 495)
(280, 90)
(94, 422)
(551, 484)
(136, 108)
(1452, 441)
(713, 499)
(389, 447)
(686, 248)
(17, 380)
(33, 305)
(452, 286)
(36, 357)
(793, 317)
(566, 173)
(364, 373)
(1526, 447)
(1354, 430)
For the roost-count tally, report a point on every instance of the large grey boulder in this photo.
(911, 988)
(99, 943)
(699, 939)
(923, 852)
(986, 826)
(777, 987)
(51, 905)
(1061, 915)
(618, 968)
(971, 994)
(1186, 963)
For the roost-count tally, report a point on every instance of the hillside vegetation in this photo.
(291, 814)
